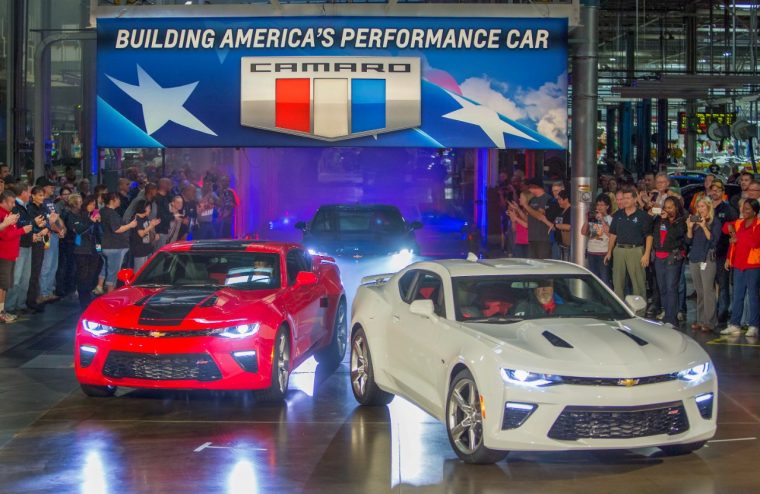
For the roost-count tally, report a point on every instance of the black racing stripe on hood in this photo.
(170, 306)
(639, 341)
(556, 340)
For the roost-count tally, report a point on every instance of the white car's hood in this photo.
(634, 347)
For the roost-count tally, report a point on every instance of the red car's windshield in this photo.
(240, 270)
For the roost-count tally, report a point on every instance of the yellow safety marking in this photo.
(726, 342)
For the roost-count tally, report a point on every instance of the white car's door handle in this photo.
(396, 318)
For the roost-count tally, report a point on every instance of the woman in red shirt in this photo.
(744, 258)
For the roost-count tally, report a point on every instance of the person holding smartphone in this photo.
(85, 223)
(115, 242)
(597, 229)
(40, 236)
(669, 233)
(703, 233)
(10, 238)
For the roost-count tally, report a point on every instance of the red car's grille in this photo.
(188, 366)
(152, 333)
(619, 422)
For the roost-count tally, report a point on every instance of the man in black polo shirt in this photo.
(631, 244)
(539, 244)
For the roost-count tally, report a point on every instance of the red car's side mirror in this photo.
(126, 275)
(306, 278)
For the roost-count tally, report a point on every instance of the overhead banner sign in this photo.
(332, 81)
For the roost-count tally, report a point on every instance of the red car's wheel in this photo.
(98, 391)
(333, 354)
(280, 368)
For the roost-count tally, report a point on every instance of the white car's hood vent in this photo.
(639, 341)
(556, 340)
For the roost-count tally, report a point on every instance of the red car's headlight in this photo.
(239, 331)
(96, 328)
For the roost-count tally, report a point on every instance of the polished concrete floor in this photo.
(54, 439)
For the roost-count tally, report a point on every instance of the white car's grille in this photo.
(619, 422)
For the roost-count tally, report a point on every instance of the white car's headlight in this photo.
(96, 328)
(695, 373)
(239, 331)
(525, 378)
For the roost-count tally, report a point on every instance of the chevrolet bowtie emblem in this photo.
(627, 382)
(156, 334)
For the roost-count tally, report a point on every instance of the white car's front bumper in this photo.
(600, 411)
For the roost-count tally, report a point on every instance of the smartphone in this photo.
(656, 211)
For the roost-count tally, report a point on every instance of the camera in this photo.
(695, 218)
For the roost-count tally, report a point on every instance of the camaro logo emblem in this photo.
(627, 382)
(330, 98)
(156, 334)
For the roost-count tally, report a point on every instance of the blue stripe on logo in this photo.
(367, 105)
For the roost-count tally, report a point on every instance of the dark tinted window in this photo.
(242, 270)
(405, 283)
(297, 261)
(430, 287)
(381, 219)
(321, 222)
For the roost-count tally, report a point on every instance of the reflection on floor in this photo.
(54, 439)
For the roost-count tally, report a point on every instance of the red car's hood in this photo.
(179, 307)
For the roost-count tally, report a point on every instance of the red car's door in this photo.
(303, 303)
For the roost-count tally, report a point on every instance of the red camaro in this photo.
(225, 315)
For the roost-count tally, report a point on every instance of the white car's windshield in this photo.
(506, 299)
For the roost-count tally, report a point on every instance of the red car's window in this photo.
(240, 270)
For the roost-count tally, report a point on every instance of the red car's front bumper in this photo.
(162, 362)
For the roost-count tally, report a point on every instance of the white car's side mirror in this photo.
(423, 308)
(636, 303)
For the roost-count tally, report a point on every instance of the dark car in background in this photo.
(357, 231)
(688, 191)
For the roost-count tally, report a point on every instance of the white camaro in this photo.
(515, 354)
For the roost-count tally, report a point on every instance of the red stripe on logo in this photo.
(292, 104)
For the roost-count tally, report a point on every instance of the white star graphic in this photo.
(162, 104)
(485, 118)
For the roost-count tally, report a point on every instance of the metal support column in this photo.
(481, 191)
(643, 135)
(585, 77)
(42, 92)
(16, 77)
(625, 134)
(90, 153)
(611, 135)
(691, 68)
(662, 131)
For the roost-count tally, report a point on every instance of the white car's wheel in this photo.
(464, 423)
(363, 383)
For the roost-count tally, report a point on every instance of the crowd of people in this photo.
(59, 237)
(642, 239)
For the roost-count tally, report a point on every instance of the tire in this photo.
(280, 369)
(333, 354)
(363, 385)
(98, 391)
(464, 425)
(681, 449)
